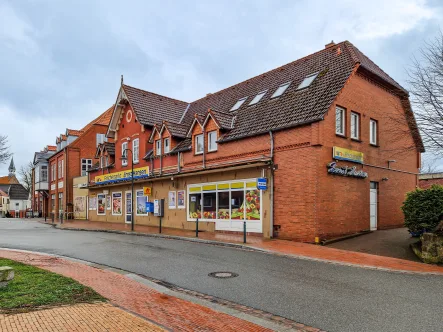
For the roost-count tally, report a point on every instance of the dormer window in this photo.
(212, 141)
(238, 104)
(258, 97)
(199, 144)
(307, 81)
(167, 145)
(158, 147)
(281, 89)
(124, 153)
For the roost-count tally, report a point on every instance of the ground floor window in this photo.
(53, 201)
(101, 204)
(117, 203)
(233, 200)
(141, 200)
(60, 201)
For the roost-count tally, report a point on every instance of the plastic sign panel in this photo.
(149, 207)
(262, 183)
(346, 154)
(139, 173)
(147, 191)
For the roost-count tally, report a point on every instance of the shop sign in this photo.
(262, 183)
(346, 171)
(139, 173)
(348, 155)
(147, 191)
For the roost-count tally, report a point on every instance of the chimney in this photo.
(330, 44)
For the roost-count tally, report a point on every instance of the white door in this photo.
(373, 205)
(128, 207)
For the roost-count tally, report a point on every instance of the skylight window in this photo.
(238, 104)
(281, 89)
(307, 81)
(258, 97)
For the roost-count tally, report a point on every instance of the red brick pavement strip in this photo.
(281, 247)
(170, 312)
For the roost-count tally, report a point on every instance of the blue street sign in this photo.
(262, 183)
(149, 207)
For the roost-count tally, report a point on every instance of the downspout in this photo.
(204, 148)
(161, 164)
(271, 184)
(65, 178)
(152, 164)
(178, 163)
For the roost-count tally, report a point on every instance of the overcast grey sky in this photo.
(61, 61)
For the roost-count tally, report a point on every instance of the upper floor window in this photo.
(258, 97)
(60, 169)
(124, 153)
(167, 145)
(355, 125)
(307, 81)
(199, 144)
(101, 138)
(102, 161)
(37, 174)
(212, 141)
(373, 132)
(281, 89)
(238, 104)
(53, 169)
(135, 150)
(86, 164)
(44, 173)
(158, 147)
(339, 121)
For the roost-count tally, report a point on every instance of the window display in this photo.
(210, 205)
(141, 203)
(195, 205)
(117, 203)
(101, 204)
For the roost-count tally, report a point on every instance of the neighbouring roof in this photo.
(51, 148)
(103, 119)
(42, 156)
(429, 176)
(73, 132)
(176, 129)
(2, 193)
(15, 191)
(106, 146)
(8, 179)
(183, 146)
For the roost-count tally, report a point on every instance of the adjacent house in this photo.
(40, 181)
(14, 198)
(426, 180)
(321, 147)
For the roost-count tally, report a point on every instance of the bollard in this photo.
(244, 231)
(61, 218)
(196, 227)
(160, 225)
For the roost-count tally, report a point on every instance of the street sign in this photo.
(262, 183)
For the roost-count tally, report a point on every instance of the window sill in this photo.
(198, 153)
(341, 136)
(374, 145)
(356, 140)
(211, 151)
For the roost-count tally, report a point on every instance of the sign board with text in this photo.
(346, 154)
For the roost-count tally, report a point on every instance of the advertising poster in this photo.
(92, 203)
(181, 199)
(101, 204)
(172, 200)
(108, 202)
(141, 203)
(117, 203)
(80, 204)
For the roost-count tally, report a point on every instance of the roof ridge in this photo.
(156, 94)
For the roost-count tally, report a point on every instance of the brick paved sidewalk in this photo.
(79, 317)
(275, 246)
(170, 312)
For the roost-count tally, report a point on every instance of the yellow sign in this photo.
(147, 191)
(349, 155)
(139, 173)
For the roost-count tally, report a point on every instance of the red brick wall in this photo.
(427, 183)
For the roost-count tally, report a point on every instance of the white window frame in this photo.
(258, 97)
(88, 163)
(158, 147)
(307, 81)
(121, 203)
(340, 131)
(104, 198)
(211, 133)
(124, 153)
(196, 138)
(136, 150)
(281, 90)
(100, 139)
(373, 124)
(238, 104)
(166, 147)
(355, 125)
(147, 200)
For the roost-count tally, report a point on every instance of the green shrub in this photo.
(423, 209)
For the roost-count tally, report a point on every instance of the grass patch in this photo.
(33, 287)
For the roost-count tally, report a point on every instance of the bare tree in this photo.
(429, 165)
(4, 149)
(426, 84)
(25, 173)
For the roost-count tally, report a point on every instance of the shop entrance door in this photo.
(128, 207)
(373, 205)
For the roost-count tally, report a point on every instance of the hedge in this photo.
(423, 209)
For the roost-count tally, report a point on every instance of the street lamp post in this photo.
(125, 157)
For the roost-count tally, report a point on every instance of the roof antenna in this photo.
(121, 80)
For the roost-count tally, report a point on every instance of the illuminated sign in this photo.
(346, 171)
(348, 155)
(139, 173)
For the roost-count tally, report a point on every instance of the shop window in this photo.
(212, 141)
(355, 125)
(124, 153)
(340, 121)
(252, 204)
(101, 204)
(141, 200)
(199, 144)
(237, 204)
(223, 205)
(195, 205)
(167, 145)
(135, 150)
(53, 201)
(210, 205)
(116, 204)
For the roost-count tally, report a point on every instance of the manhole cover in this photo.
(223, 275)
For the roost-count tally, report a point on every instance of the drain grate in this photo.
(223, 275)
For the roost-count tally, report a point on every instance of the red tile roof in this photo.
(51, 148)
(102, 119)
(8, 179)
(73, 132)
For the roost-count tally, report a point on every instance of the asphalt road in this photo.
(326, 296)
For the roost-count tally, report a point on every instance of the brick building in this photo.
(333, 135)
(75, 151)
(40, 181)
(426, 180)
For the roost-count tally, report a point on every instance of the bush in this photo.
(423, 209)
